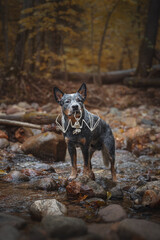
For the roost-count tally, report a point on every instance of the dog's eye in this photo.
(68, 101)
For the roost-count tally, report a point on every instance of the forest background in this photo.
(45, 40)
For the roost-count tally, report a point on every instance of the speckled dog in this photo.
(85, 130)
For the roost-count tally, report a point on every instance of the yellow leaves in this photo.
(2, 172)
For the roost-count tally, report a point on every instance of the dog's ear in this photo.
(58, 94)
(83, 91)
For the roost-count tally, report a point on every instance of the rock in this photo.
(35, 106)
(15, 176)
(47, 184)
(3, 143)
(150, 198)
(115, 111)
(64, 227)
(41, 208)
(11, 220)
(103, 230)
(154, 185)
(9, 233)
(98, 202)
(23, 105)
(147, 122)
(36, 233)
(116, 193)
(136, 132)
(112, 213)
(89, 236)
(138, 229)
(3, 134)
(16, 147)
(130, 122)
(90, 188)
(14, 109)
(48, 144)
(48, 107)
(23, 133)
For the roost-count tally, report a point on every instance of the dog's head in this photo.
(71, 103)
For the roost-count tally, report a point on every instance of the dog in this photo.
(85, 130)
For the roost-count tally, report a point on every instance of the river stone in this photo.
(15, 176)
(48, 144)
(154, 185)
(3, 143)
(138, 229)
(9, 233)
(116, 193)
(47, 184)
(112, 213)
(91, 189)
(11, 220)
(41, 208)
(64, 227)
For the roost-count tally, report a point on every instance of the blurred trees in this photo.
(42, 38)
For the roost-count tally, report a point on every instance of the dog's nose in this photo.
(75, 107)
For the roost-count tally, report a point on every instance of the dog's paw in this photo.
(89, 174)
(73, 174)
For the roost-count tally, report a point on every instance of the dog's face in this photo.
(71, 103)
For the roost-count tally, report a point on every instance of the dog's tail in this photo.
(106, 156)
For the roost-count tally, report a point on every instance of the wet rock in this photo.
(154, 185)
(150, 198)
(3, 134)
(90, 188)
(112, 213)
(37, 233)
(138, 229)
(47, 184)
(98, 202)
(64, 227)
(48, 144)
(15, 176)
(103, 230)
(11, 220)
(116, 193)
(3, 143)
(89, 236)
(41, 208)
(9, 233)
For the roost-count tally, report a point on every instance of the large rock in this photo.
(112, 213)
(9, 233)
(13, 221)
(48, 144)
(64, 227)
(138, 229)
(90, 188)
(41, 208)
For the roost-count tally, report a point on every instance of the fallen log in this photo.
(142, 82)
(19, 124)
(32, 117)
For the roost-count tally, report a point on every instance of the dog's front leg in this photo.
(87, 162)
(73, 155)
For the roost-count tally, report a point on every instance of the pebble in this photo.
(112, 213)
(64, 227)
(45, 207)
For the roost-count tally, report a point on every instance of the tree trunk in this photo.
(146, 51)
(4, 17)
(99, 81)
